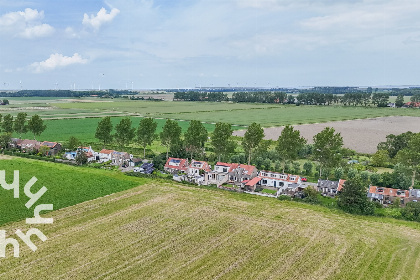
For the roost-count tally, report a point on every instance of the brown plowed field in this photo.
(360, 135)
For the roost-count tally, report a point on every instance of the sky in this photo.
(149, 44)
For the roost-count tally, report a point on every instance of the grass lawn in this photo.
(268, 191)
(67, 185)
(169, 231)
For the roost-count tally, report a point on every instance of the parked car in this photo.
(304, 179)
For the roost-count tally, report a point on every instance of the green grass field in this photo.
(211, 112)
(169, 231)
(84, 129)
(67, 185)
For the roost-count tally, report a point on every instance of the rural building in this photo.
(176, 165)
(198, 168)
(53, 147)
(330, 188)
(105, 155)
(387, 195)
(219, 175)
(29, 145)
(241, 174)
(121, 158)
(275, 181)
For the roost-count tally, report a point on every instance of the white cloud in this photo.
(57, 60)
(101, 17)
(26, 24)
(42, 30)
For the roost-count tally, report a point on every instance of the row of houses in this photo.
(114, 157)
(384, 196)
(244, 177)
(53, 148)
(26, 145)
(248, 178)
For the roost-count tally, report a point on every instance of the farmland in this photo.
(79, 117)
(67, 185)
(211, 112)
(84, 128)
(168, 231)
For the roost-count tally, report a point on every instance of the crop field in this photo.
(361, 135)
(169, 231)
(84, 129)
(67, 185)
(211, 112)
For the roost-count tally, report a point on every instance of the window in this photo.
(264, 182)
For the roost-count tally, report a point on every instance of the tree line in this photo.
(66, 93)
(358, 98)
(19, 125)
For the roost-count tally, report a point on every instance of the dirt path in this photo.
(360, 135)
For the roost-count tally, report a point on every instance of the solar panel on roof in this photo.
(175, 160)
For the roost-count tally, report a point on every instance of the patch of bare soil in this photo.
(360, 135)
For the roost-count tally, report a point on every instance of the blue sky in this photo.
(189, 43)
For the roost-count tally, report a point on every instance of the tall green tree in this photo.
(353, 198)
(7, 124)
(395, 143)
(36, 125)
(5, 139)
(399, 102)
(20, 126)
(103, 131)
(410, 156)
(73, 143)
(326, 148)
(170, 135)
(221, 140)
(195, 137)
(124, 132)
(146, 133)
(252, 139)
(289, 143)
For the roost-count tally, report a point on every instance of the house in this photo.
(219, 175)
(52, 148)
(70, 155)
(105, 155)
(273, 180)
(90, 153)
(240, 174)
(29, 145)
(330, 188)
(293, 190)
(388, 195)
(198, 168)
(277, 180)
(15, 142)
(412, 104)
(135, 161)
(176, 165)
(120, 158)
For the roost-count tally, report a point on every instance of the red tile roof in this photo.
(389, 191)
(105, 151)
(205, 166)
(340, 184)
(177, 163)
(49, 144)
(253, 182)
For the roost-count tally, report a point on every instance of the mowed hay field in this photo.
(166, 231)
